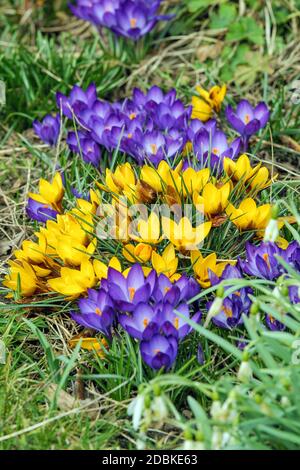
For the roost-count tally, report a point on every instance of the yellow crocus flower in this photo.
(255, 177)
(149, 230)
(50, 193)
(165, 263)
(183, 236)
(208, 102)
(33, 252)
(248, 216)
(74, 282)
(194, 180)
(214, 200)
(201, 267)
(101, 269)
(73, 253)
(122, 179)
(21, 275)
(139, 253)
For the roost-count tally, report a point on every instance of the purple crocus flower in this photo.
(129, 18)
(261, 262)
(48, 129)
(159, 352)
(231, 314)
(173, 324)
(40, 211)
(247, 120)
(292, 255)
(234, 304)
(83, 144)
(273, 324)
(182, 290)
(78, 100)
(127, 292)
(211, 147)
(140, 325)
(96, 311)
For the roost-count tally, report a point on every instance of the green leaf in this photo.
(226, 15)
(245, 29)
(195, 5)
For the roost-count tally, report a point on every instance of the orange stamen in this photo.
(153, 148)
(228, 312)
(98, 311)
(266, 259)
(131, 292)
(133, 22)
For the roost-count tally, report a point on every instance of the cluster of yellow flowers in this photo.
(68, 256)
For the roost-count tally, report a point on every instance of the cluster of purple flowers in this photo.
(149, 127)
(261, 262)
(129, 18)
(235, 304)
(146, 307)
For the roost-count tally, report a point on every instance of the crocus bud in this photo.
(272, 231)
(214, 310)
(245, 372)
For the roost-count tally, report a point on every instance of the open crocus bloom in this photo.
(128, 291)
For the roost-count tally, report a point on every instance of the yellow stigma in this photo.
(216, 151)
(167, 289)
(176, 323)
(153, 148)
(129, 136)
(247, 118)
(133, 22)
(156, 351)
(131, 292)
(98, 311)
(145, 322)
(132, 116)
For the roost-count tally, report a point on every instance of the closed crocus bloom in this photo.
(214, 199)
(148, 230)
(101, 268)
(209, 101)
(194, 180)
(21, 277)
(74, 282)
(159, 352)
(139, 253)
(256, 177)
(203, 266)
(73, 253)
(248, 216)
(32, 251)
(119, 180)
(165, 263)
(152, 177)
(53, 192)
(48, 129)
(183, 235)
(40, 211)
